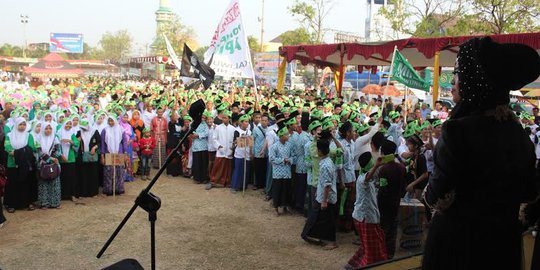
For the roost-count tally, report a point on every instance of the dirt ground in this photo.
(196, 229)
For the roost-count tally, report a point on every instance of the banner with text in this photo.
(66, 43)
(403, 72)
(228, 53)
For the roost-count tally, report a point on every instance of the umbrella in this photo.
(391, 91)
(372, 89)
(533, 93)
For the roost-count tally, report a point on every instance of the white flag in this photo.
(172, 54)
(229, 48)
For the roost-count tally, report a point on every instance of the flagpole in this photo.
(391, 70)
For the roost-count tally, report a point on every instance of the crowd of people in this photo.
(345, 165)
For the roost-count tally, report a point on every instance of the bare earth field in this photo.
(196, 229)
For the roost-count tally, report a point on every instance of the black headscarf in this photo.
(487, 72)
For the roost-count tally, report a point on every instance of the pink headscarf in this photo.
(125, 126)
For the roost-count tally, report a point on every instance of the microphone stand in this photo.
(149, 203)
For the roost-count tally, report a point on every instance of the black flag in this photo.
(193, 68)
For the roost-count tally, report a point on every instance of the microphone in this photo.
(196, 111)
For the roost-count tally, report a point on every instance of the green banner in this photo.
(403, 72)
(445, 80)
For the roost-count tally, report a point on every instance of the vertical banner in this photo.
(281, 75)
(172, 53)
(229, 48)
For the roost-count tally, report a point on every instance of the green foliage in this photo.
(297, 36)
(311, 15)
(115, 46)
(254, 44)
(10, 50)
(433, 18)
(508, 16)
(177, 33)
(200, 51)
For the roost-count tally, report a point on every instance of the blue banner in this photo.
(66, 43)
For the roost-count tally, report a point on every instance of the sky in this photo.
(95, 17)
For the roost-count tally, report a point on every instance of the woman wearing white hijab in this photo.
(69, 148)
(49, 192)
(89, 151)
(100, 122)
(35, 131)
(20, 146)
(113, 141)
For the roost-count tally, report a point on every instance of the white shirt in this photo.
(147, 118)
(223, 140)
(362, 144)
(434, 114)
(211, 131)
(243, 152)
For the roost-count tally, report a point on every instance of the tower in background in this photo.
(163, 15)
(377, 26)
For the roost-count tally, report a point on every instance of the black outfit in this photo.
(173, 138)
(321, 224)
(484, 163)
(17, 194)
(388, 199)
(89, 184)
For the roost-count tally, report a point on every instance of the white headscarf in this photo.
(100, 127)
(78, 127)
(86, 135)
(64, 134)
(45, 141)
(113, 136)
(34, 124)
(17, 138)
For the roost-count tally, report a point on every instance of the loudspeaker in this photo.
(126, 264)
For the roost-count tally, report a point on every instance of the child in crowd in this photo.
(147, 145)
(366, 214)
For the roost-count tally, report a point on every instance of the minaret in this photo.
(163, 14)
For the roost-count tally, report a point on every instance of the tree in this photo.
(311, 14)
(428, 18)
(116, 46)
(200, 52)
(177, 33)
(254, 44)
(508, 16)
(296, 37)
(10, 50)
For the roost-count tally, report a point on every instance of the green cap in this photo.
(244, 117)
(291, 122)
(207, 114)
(188, 118)
(283, 131)
(316, 114)
(393, 115)
(227, 113)
(362, 128)
(315, 124)
(436, 123)
(327, 125)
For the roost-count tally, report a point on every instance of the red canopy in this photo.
(419, 51)
(53, 66)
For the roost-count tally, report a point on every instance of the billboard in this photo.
(66, 43)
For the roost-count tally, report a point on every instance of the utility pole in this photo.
(262, 28)
(24, 21)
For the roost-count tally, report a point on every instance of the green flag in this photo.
(445, 80)
(404, 73)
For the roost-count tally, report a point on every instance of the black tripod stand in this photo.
(150, 202)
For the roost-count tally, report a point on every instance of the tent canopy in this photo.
(53, 66)
(420, 52)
